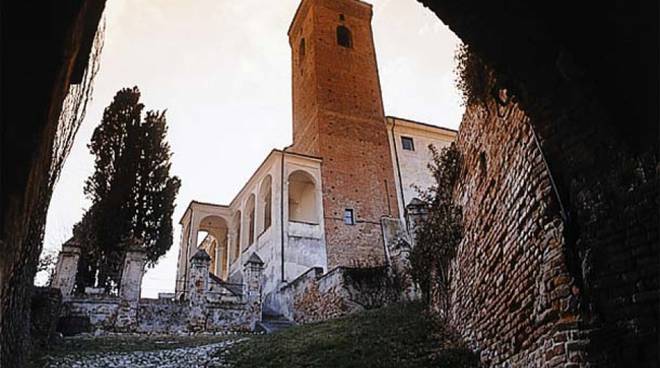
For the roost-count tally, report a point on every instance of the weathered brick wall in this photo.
(529, 288)
(591, 91)
(621, 269)
(512, 297)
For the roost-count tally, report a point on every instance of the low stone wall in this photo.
(232, 316)
(94, 313)
(210, 304)
(163, 316)
(89, 313)
(315, 296)
(45, 308)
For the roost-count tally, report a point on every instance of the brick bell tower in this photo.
(338, 115)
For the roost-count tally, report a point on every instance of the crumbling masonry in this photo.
(210, 306)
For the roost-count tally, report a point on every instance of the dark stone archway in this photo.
(45, 49)
(586, 73)
(587, 76)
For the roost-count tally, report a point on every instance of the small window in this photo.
(301, 51)
(344, 37)
(341, 17)
(349, 219)
(407, 143)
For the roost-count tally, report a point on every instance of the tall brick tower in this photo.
(338, 115)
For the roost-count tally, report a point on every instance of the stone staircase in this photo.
(271, 323)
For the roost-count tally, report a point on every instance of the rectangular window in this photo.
(407, 143)
(349, 219)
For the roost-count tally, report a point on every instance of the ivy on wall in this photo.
(440, 232)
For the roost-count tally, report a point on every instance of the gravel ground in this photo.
(204, 356)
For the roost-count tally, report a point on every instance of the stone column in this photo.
(252, 282)
(198, 285)
(66, 268)
(219, 268)
(130, 287)
(416, 211)
(227, 263)
(231, 244)
(397, 248)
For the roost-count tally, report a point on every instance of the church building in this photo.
(321, 201)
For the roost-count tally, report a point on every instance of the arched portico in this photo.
(265, 204)
(236, 237)
(204, 226)
(302, 191)
(215, 243)
(249, 213)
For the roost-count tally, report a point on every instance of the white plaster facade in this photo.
(411, 166)
(278, 209)
(279, 212)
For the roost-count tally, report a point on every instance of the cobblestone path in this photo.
(188, 357)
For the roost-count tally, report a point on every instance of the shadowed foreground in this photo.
(397, 336)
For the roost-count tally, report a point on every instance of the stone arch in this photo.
(302, 198)
(265, 204)
(214, 242)
(249, 212)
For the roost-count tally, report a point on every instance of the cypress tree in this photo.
(131, 190)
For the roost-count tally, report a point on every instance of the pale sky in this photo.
(222, 70)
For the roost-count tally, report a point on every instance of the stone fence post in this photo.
(398, 246)
(130, 287)
(252, 276)
(66, 268)
(417, 212)
(197, 288)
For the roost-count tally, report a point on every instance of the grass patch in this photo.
(398, 336)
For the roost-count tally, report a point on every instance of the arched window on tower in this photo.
(344, 37)
(301, 51)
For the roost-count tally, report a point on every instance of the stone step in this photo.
(273, 317)
(271, 326)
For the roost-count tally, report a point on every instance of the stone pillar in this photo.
(397, 247)
(130, 287)
(198, 285)
(231, 240)
(66, 268)
(416, 213)
(252, 282)
(219, 265)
